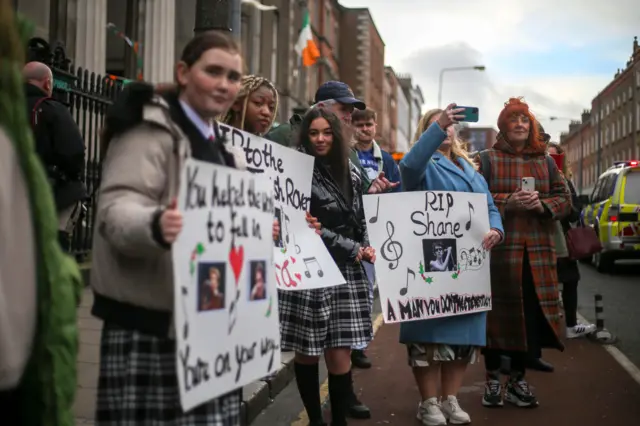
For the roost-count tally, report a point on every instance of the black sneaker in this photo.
(492, 394)
(519, 394)
(360, 360)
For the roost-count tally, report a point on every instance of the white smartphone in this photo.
(528, 184)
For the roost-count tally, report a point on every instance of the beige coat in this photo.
(140, 175)
(17, 268)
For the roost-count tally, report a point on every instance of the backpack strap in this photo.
(552, 168)
(35, 111)
(485, 166)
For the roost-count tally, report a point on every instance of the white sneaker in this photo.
(430, 413)
(452, 411)
(580, 330)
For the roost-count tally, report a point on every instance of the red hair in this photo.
(516, 106)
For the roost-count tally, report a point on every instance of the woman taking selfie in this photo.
(444, 346)
(329, 321)
(147, 138)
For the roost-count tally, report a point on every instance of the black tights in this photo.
(340, 390)
(570, 302)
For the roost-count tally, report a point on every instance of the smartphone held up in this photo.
(471, 114)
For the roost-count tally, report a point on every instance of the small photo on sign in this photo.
(257, 280)
(278, 217)
(211, 286)
(439, 254)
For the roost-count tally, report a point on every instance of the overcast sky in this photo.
(556, 53)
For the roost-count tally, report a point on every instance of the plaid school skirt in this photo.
(335, 317)
(138, 385)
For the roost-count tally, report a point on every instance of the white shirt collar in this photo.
(205, 128)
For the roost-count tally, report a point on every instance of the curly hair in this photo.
(458, 149)
(250, 83)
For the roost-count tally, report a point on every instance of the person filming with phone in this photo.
(438, 161)
(530, 195)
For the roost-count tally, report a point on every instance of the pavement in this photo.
(256, 396)
(592, 384)
(589, 387)
(621, 298)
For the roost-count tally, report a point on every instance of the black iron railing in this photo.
(88, 96)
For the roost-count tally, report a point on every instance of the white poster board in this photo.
(430, 261)
(226, 307)
(301, 260)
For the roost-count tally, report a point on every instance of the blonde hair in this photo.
(251, 83)
(458, 148)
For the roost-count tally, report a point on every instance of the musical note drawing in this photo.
(374, 218)
(472, 258)
(287, 221)
(471, 209)
(307, 261)
(403, 290)
(391, 250)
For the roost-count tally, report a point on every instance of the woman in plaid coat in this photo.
(525, 313)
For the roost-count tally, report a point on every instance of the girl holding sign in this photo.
(330, 320)
(147, 137)
(444, 346)
(255, 109)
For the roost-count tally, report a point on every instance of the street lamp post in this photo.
(213, 15)
(443, 70)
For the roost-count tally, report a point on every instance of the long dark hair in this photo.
(338, 157)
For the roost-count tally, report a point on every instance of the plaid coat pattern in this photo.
(523, 232)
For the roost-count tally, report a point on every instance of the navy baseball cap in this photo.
(339, 92)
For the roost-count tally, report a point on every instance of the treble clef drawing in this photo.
(391, 250)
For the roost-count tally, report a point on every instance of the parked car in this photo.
(613, 211)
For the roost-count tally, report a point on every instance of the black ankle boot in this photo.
(308, 381)
(359, 359)
(339, 395)
(356, 410)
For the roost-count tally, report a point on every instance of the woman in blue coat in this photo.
(444, 346)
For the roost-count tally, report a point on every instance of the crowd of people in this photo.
(148, 134)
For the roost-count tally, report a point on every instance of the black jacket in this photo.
(59, 145)
(344, 229)
(567, 268)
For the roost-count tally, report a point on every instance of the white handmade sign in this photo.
(226, 305)
(430, 262)
(301, 259)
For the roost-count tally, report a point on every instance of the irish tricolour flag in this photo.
(305, 46)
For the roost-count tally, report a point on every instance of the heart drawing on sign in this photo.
(236, 259)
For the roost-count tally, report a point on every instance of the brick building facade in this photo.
(478, 138)
(352, 49)
(362, 61)
(575, 142)
(613, 133)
